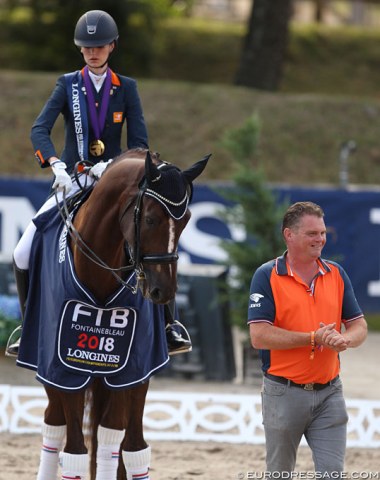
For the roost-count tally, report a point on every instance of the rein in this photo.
(135, 258)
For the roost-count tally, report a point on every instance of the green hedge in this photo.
(320, 59)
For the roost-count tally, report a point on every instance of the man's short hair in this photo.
(296, 211)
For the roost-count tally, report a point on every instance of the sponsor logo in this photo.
(117, 117)
(255, 297)
(95, 340)
(62, 245)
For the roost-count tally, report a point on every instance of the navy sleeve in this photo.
(261, 305)
(43, 125)
(350, 307)
(137, 135)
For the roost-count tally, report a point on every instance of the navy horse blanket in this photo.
(68, 338)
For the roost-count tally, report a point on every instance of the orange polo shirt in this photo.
(280, 297)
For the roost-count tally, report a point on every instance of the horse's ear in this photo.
(152, 173)
(193, 172)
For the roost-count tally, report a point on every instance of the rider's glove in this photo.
(62, 180)
(97, 170)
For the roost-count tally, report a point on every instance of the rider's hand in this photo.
(62, 180)
(97, 170)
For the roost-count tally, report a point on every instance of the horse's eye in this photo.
(149, 220)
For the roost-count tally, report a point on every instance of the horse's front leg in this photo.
(109, 433)
(136, 452)
(53, 434)
(74, 459)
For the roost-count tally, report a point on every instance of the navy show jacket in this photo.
(124, 107)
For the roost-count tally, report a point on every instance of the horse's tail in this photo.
(96, 399)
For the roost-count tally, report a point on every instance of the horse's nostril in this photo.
(155, 295)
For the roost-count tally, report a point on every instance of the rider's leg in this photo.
(52, 441)
(21, 272)
(107, 454)
(21, 257)
(137, 463)
(176, 343)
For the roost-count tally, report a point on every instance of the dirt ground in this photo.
(19, 454)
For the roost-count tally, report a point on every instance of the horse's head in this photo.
(160, 215)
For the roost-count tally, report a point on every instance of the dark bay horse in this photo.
(124, 237)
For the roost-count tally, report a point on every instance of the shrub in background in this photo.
(256, 209)
(9, 316)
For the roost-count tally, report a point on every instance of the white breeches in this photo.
(21, 253)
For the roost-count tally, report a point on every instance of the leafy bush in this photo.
(9, 316)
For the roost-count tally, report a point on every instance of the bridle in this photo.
(136, 259)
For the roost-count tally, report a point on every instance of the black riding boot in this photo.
(22, 284)
(176, 343)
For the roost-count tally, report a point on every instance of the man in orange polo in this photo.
(302, 314)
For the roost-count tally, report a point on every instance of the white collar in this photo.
(97, 80)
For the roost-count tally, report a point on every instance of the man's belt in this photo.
(305, 386)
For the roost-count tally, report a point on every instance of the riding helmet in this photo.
(95, 28)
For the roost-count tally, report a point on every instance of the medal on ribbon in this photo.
(97, 148)
(97, 118)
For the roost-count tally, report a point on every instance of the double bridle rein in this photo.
(136, 259)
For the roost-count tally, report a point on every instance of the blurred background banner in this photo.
(352, 219)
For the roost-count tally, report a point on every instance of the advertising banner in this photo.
(352, 218)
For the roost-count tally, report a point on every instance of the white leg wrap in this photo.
(73, 466)
(137, 464)
(52, 441)
(107, 455)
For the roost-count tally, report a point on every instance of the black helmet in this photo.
(95, 29)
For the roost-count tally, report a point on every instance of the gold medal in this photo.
(97, 148)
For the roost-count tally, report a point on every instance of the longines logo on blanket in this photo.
(95, 340)
(62, 244)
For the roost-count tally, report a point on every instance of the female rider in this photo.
(95, 103)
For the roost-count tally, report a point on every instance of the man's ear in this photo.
(287, 233)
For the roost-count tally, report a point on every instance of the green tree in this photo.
(265, 45)
(256, 209)
(39, 33)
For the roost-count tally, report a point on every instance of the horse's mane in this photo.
(137, 153)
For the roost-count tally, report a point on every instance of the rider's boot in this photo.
(176, 342)
(22, 284)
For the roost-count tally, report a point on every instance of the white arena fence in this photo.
(181, 416)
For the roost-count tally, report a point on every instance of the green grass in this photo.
(329, 94)
(300, 136)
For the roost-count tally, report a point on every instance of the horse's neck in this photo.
(98, 227)
(97, 221)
